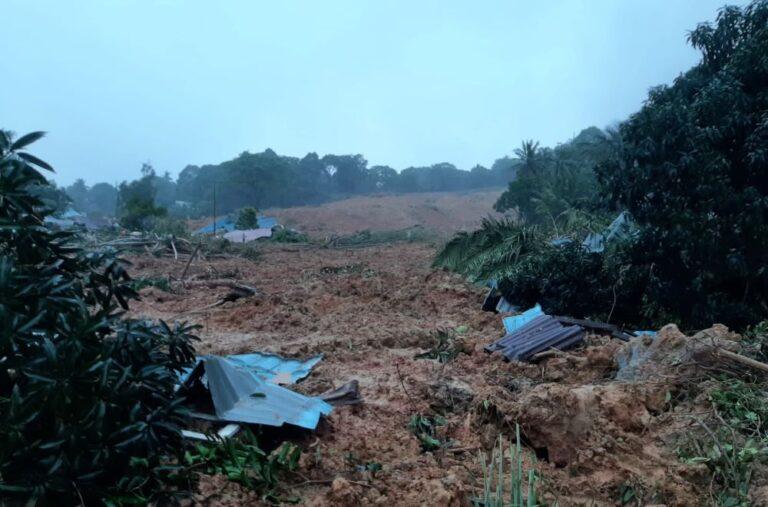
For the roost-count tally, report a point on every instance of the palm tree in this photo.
(529, 154)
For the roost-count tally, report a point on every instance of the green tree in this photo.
(136, 199)
(247, 218)
(549, 182)
(78, 192)
(88, 413)
(102, 199)
(693, 175)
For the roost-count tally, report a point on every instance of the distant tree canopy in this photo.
(100, 199)
(267, 179)
(549, 182)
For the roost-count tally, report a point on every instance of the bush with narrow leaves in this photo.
(87, 406)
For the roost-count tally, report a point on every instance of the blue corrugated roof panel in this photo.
(274, 368)
(240, 395)
(267, 222)
(515, 322)
(222, 224)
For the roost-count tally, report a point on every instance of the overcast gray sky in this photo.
(117, 83)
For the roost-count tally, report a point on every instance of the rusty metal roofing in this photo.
(539, 334)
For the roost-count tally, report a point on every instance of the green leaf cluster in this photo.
(88, 410)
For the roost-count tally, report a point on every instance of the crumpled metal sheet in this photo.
(274, 368)
(240, 395)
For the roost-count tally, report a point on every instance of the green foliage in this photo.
(241, 460)
(496, 478)
(489, 251)
(247, 218)
(692, 175)
(100, 199)
(498, 249)
(689, 168)
(288, 236)
(136, 202)
(734, 442)
(169, 226)
(141, 283)
(446, 348)
(426, 429)
(756, 341)
(88, 410)
(552, 181)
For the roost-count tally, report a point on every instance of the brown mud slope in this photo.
(370, 311)
(441, 212)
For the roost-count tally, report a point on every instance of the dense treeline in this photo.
(690, 169)
(267, 179)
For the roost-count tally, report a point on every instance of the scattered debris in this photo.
(238, 291)
(599, 327)
(621, 228)
(348, 394)
(450, 395)
(159, 246)
(228, 431)
(227, 224)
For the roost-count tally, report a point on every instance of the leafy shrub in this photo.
(733, 442)
(288, 236)
(426, 429)
(165, 225)
(137, 209)
(160, 283)
(241, 460)
(87, 406)
(247, 218)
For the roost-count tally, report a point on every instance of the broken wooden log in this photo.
(602, 327)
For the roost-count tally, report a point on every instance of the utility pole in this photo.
(214, 209)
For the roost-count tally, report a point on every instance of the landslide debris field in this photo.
(440, 212)
(593, 438)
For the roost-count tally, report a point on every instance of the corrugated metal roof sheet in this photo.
(540, 333)
(240, 395)
(274, 368)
